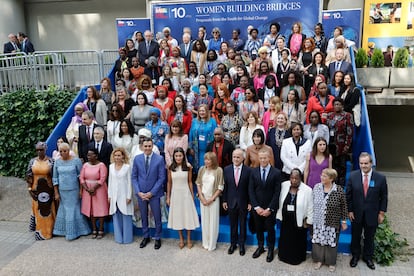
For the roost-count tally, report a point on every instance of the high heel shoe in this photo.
(94, 234)
(100, 235)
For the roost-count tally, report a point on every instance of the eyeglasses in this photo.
(215, 32)
(115, 110)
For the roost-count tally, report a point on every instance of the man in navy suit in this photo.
(236, 199)
(104, 148)
(186, 47)
(26, 44)
(148, 178)
(85, 134)
(339, 64)
(147, 48)
(367, 199)
(12, 46)
(264, 191)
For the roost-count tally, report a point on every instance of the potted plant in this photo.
(401, 76)
(376, 77)
(361, 58)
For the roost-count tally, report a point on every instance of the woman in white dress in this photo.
(180, 197)
(126, 138)
(210, 184)
(115, 117)
(246, 132)
(120, 196)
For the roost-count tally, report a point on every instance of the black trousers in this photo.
(369, 235)
(237, 217)
(265, 224)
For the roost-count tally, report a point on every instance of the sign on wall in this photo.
(127, 26)
(228, 15)
(349, 20)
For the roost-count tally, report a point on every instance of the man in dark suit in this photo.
(367, 199)
(186, 47)
(236, 199)
(339, 64)
(104, 148)
(12, 46)
(221, 147)
(264, 190)
(147, 48)
(85, 134)
(26, 44)
(148, 179)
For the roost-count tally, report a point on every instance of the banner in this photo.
(389, 23)
(127, 26)
(349, 20)
(228, 15)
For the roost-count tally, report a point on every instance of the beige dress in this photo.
(182, 213)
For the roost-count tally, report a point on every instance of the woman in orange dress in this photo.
(40, 187)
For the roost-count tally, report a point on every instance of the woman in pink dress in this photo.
(94, 192)
(175, 139)
(316, 161)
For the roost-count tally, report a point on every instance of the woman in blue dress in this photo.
(69, 220)
(201, 133)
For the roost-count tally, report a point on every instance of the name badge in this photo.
(201, 137)
(372, 184)
(291, 208)
(254, 52)
(332, 133)
(154, 81)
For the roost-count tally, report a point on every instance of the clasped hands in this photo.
(145, 196)
(263, 212)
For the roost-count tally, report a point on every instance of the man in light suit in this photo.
(148, 178)
(236, 199)
(367, 199)
(104, 148)
(147, 48)
(264, 191)
(339, 64)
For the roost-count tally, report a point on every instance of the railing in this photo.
(70, 70)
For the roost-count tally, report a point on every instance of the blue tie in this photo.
(264, 176)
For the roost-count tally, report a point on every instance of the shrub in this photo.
(377, 59)
(361, 58)
(401, 58)
(25, 118)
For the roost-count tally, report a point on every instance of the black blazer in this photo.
(105, 153)
(226, 155)
(313, 72)
(376, 200)
(236, 196)
(8, 47)
(83, 142)
(265, 195)
(154, 51)
(351, 99)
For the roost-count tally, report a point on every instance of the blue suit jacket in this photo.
(375, 201)
(154, 180)
(346, 67)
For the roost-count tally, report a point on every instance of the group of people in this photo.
(18, 43)
(253, 134)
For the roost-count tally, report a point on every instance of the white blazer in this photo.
(120, 189)
(304, 203)
(289, 156)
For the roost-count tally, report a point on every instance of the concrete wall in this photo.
(78, 25)
(393, 134)
(11, 19)
(341, 4)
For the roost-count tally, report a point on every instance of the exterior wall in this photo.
(78, 25)
(11, 19)
(341, 4)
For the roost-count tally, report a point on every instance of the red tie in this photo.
(365, 185)
(236, 176)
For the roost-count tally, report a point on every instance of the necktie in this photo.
(264, 176)
(146, 163)
(236, 176)
(88, 132)
(98, 147)
(338, 66)
(148, 46)
(365, 185)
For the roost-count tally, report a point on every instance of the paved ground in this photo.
(21, 255)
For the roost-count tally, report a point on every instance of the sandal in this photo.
(181, 244)
(189, 244)
(332, 268)
(100, 235)
(94, 234)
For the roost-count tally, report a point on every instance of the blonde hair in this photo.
(207, 111)
(124, 153)
(213, 158)
(276, 101)
(331, 173)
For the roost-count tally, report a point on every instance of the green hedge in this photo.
(25, 118)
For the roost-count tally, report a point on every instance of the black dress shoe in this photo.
(157, 244)
(270, 255)
(144, 242)
(231, 249)
(242, 250)
(370, 263)
(354, 261)
(258, 252)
